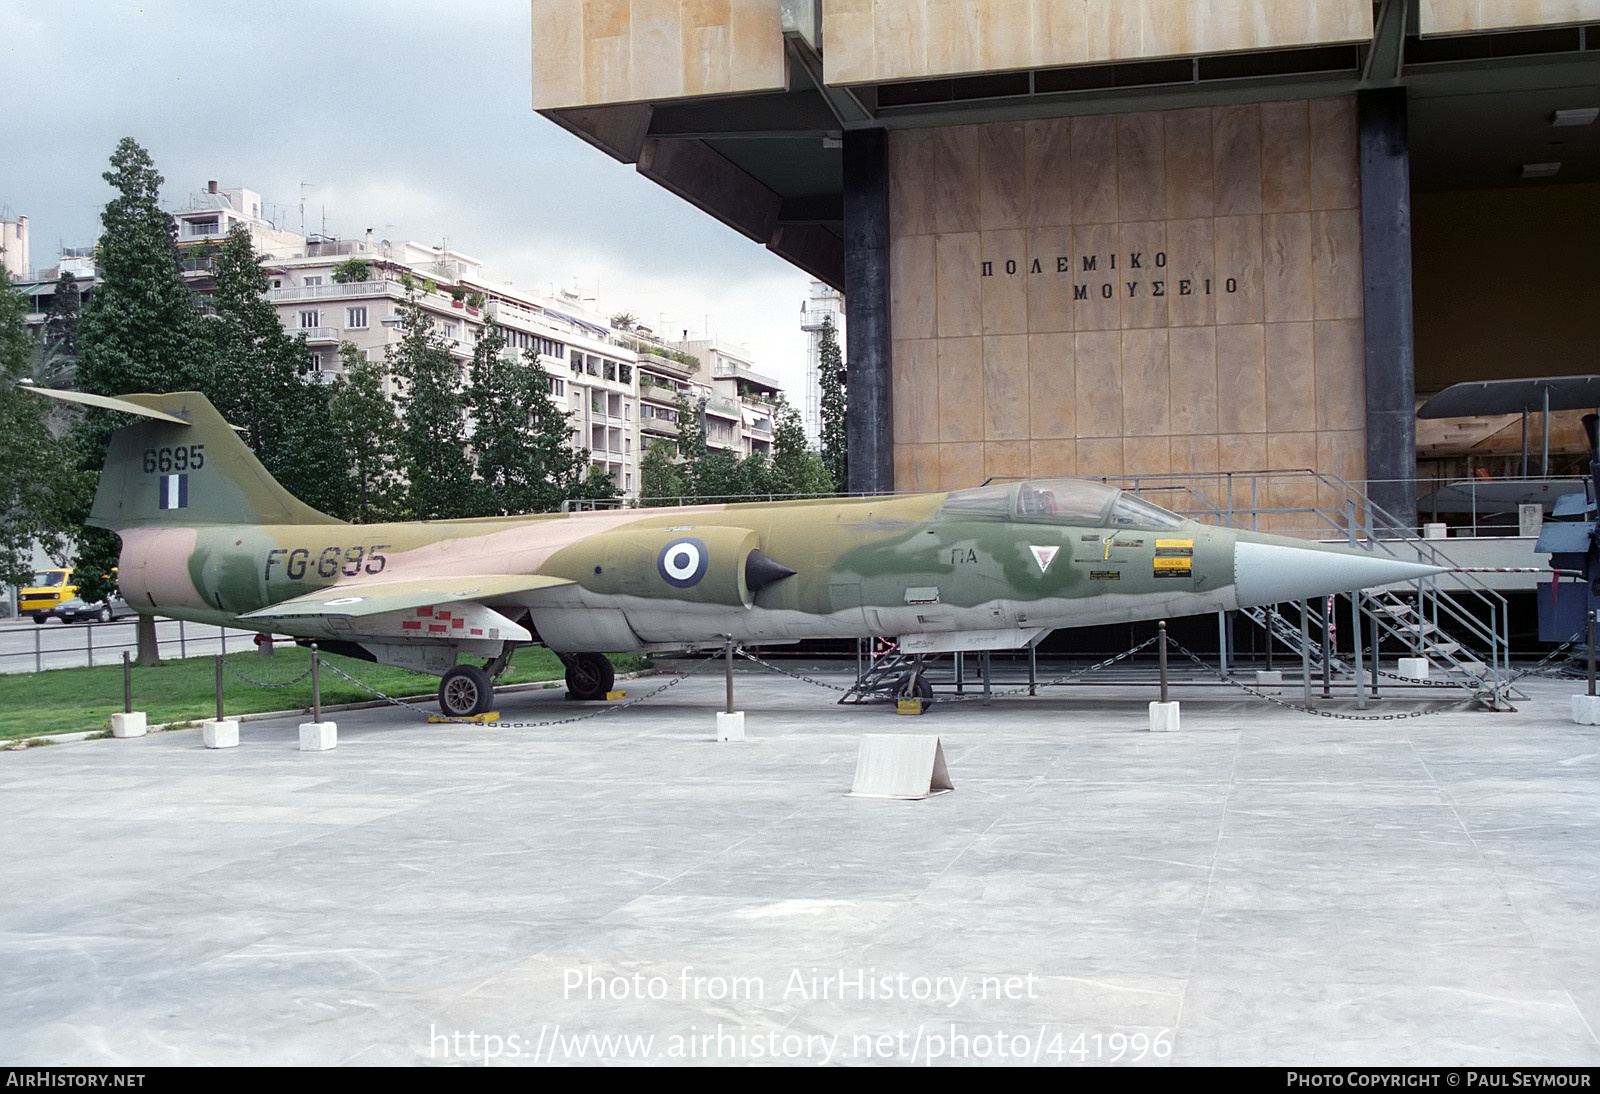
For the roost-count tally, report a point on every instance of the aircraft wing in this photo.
(378, 597)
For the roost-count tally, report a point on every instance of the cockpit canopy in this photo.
(1058, 501)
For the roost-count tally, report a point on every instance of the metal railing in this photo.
(37, 647)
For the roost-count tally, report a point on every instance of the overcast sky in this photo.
(407, 117)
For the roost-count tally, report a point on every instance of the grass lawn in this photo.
(70, 700)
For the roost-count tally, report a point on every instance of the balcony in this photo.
(347, 291)
(320, 336)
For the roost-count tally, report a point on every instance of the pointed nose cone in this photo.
(1269, 573)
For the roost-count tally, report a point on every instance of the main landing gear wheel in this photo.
(589, 676)
(465, 690)
(913, 685)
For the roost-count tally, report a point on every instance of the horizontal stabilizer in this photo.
(125, 405)
(374, 598)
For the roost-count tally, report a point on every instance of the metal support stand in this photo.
(1327, 644)
(1591, 651)
(220, 716)
(961, 675)
(728, 655)
(127, 682)
(1033, 671)
(1305, 648)
(316, 684)
(983, 667)
(1161, 630)
(1222, 643)
(1355, 645)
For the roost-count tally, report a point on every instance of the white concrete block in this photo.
(1164, 717)
(1586, 710)
(898, 765)
(1436, 531)
(1414, 668)
(730, 727)
(318, 736)
(223, 734)
(130, 724)
(1269, 677)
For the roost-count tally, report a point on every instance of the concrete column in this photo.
(1386, 301)
(870, 420)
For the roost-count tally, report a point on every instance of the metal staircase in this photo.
(1461, 631)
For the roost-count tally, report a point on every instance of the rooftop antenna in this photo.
(304, 186)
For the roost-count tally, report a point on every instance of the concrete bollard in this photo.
(318, 736)
(730, 725)
(1586, 710)
(220, 732)
(1164, 717)
(128, 723)
(1414, 668)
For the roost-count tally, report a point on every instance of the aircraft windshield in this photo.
(1060, 501)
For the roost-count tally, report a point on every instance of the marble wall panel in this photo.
(1285, 156)
(1097, 359)
(1142, 280)
(1050, 306)
(1236, 159)
(1094, 178)
(926, 38)
(1464, 16)
(1335, 159)
(1292, 378)
(1048, 167)
(1341, 374)
(1052, 386)
(1191, 261)
(1193, 382)
(1098, 310)
(1336, 263)
(1241, 377)
(1003, 176)
(960, 389)
(1145, 372)
(1286, 273)
(958, 298)
(1025, 377)
(1186, 155)
(913, 273)
(916, 391)
(1005, 292)
(1007, 459)
(1051, 458)
(960, 466)
(1141, 168)
(1005, 388)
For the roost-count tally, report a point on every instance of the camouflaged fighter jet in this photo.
(208, 535)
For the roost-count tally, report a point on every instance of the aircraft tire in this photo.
(464, 691)
(589, 676)
(913, 685)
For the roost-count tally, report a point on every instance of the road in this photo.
(27, 647)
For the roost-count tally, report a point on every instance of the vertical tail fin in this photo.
(183, 465)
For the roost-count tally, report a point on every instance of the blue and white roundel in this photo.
(682, 563)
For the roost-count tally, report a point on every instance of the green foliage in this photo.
(511, 476)
(797, 470)
(40, 491)
(262, 381)
(835, 438)
(625, 320)
(61, 323)
(365, 424)
(139, 330)
(433, 441)
(659, 478)
(351, 269)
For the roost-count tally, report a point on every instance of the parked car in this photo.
(73, 610)
(43, 598)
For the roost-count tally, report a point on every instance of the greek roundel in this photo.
(682, 563)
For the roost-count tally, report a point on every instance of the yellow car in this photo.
(49, 590)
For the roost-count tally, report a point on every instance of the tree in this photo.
(659, 477)
(365, 425)
(433, 441)
(797, 471)
(41, 492)
(510, 478)
(835, 439)
(138, 331)
(57, 360)
(262, 380)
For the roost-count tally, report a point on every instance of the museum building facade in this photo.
(1134, 238)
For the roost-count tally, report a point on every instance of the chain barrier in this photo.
(261, 684)
(977, 695)
(1311, 710)
(674, 682)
